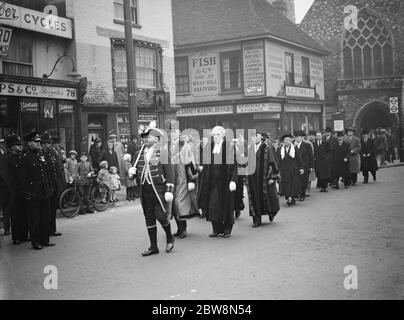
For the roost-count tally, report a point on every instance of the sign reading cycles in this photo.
(34, 91)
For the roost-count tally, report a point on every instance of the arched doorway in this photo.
(375, 115)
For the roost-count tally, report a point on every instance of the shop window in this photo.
(146, 66)
(48, 117)
(123, 126)
(66, 124)
(19, 59)
(118, 10)
(290, 69)
(368, 50)
(231, 70)
(181, 75)
(305, 72)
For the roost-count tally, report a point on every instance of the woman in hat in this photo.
(290, 166)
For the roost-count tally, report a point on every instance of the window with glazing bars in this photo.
(181, 75)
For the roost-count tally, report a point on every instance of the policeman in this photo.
(16, 205)
(155, 176)
(53, 172)
(38, 190)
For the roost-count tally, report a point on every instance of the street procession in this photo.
(171, 150)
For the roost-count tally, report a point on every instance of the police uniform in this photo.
(16, 206)
(38, 190)
(52, 159)
(155, 176)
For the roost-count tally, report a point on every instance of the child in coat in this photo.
(115, 182)
(129, 183)
(104, 177)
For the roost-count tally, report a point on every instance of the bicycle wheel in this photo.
(70, 203)
(99, 197)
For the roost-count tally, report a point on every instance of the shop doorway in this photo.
(96, 129)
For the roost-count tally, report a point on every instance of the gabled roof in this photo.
(204, 21)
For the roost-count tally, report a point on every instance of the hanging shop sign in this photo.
(204, 111)
(254, 68)
(35, 91)
(33, 20)
(259, 107)
(204, 74)
(5, 38)
(300, 92)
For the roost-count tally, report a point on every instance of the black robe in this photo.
(368, 163)
(306, 154)
(290, 175)
(218, 201)
(322, 161)
(263, 198)
(340, 153)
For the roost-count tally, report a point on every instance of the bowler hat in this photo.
(351, 129)
(33, 136)
(328, 129)
(13, 140)
(46, 137)
(55, 139)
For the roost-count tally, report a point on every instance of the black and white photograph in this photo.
(202, 155)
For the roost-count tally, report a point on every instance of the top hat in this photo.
(351, 129)
(299, 133)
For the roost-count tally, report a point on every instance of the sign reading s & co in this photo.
(33, 20)
(34, 91)
(5, 38)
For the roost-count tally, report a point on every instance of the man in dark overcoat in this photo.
(368, 157)
(340, 159)
(322, 162)
(219, 185)
(305, 151)
(262, 198)
(16, 204)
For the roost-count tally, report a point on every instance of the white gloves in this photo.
(232, 186)
(191, 186)
(132, 171)
(168, 196)
(301, 171)
(200, 168)
(271, 182)
(346, 160)
(89, 175)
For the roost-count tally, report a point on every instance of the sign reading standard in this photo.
(204, 74)
(254, 74)
(34, 91)
(33, 20)
(5, 38)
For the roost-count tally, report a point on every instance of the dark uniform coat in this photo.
(263, 198)
(341, 152)
(217, 200)
(368, 156)
(322, 160)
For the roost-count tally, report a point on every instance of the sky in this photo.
(301, 8)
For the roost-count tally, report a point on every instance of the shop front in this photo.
(302, 117)
(43, 105)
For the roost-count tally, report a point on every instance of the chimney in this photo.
(281, 6)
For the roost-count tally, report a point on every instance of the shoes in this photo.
(227, 236)
(150, 252)
(346, 187)
(214, 235)
(177, 234)
(302, 198)
(170, 246)
(365, 182)
(57, 234)
(238, 213)
(307, 195)
(90, 210)
(256, 225)
(48, 244)
(37, 246)
(182, 235)
(271, 218)
(16, 242)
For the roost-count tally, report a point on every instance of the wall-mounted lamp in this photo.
(74, 74)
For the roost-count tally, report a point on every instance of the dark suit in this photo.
(307, 161)
(368, 159)
(341, 152)
(322, 162)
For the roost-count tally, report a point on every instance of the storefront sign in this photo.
(254, 68)
(267, 116)
(66, 108)
(338, 125)
(27, 105)
(147, 117)
(33, 20)
(204, 72)
(200, 111)
(300, 108)
(35, 91)
(5, 38)
(259, 107)
(300, 92)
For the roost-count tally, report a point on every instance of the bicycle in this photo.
(71, 200)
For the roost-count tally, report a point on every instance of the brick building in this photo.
(243, 65)
(101, 57)
(366, 67)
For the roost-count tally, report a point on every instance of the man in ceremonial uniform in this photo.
(16, 207)
(38, 190)
(155, 176)
(306, 155)
(55, 175)
(260, 184)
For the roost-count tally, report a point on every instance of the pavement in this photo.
(302, 255)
